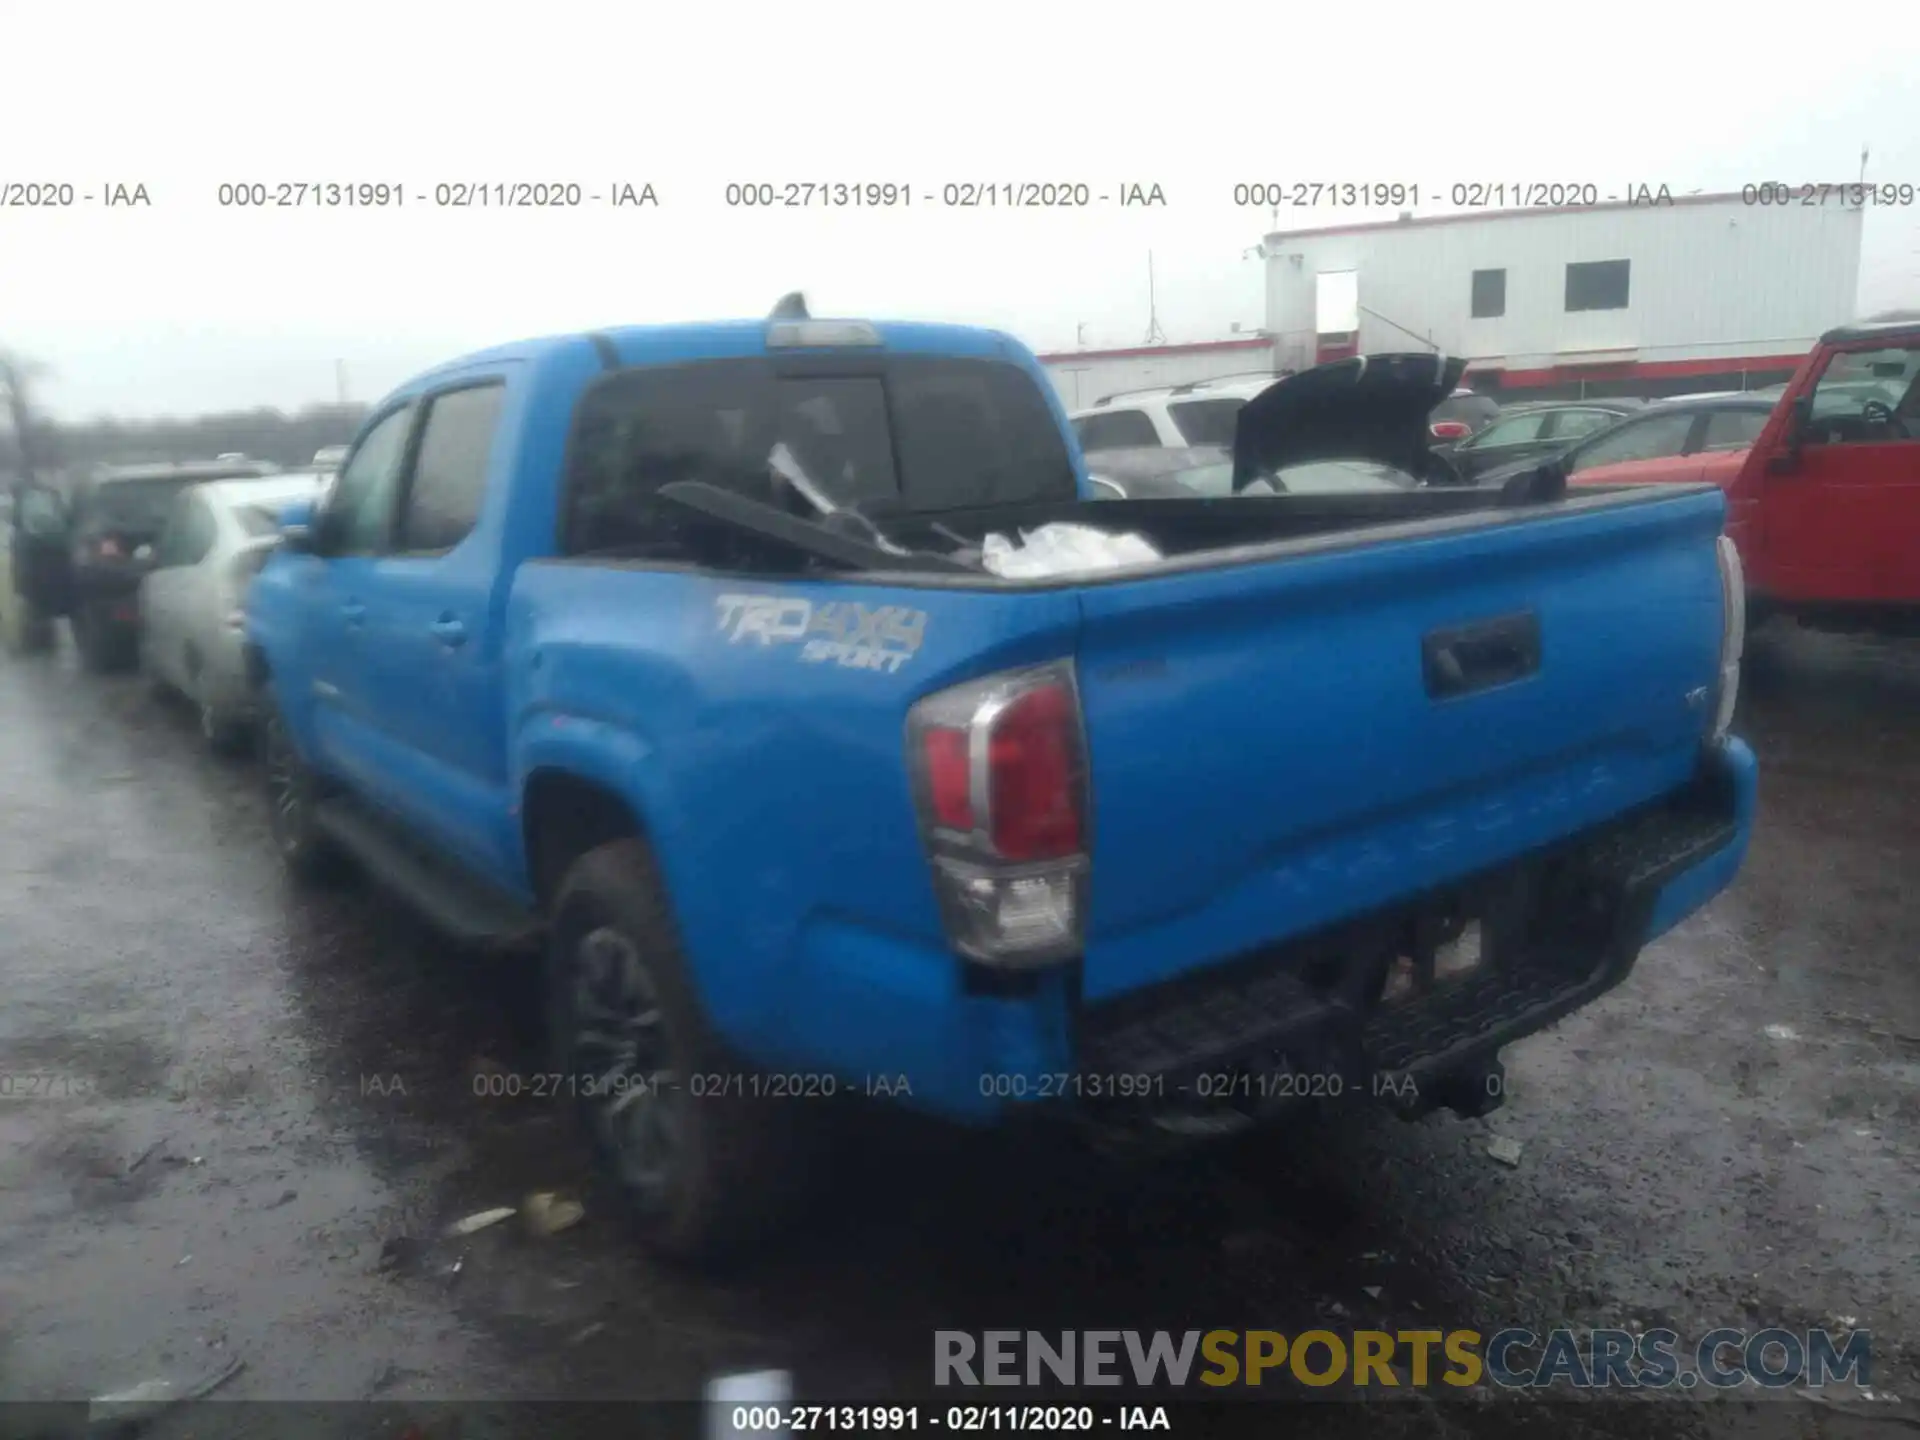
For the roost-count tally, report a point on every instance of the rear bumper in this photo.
(1262, 1035)
(110, 595)
(894, 1017)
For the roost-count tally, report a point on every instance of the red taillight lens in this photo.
(1031, 749)
(1449, 429)
(110, 549)
(949, 778)
(1008, 845)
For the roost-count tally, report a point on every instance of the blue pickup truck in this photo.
(671, 651)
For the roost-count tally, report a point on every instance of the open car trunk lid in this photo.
(1278, 745)
(1369, 407)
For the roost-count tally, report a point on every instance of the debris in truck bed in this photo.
(1063, 549)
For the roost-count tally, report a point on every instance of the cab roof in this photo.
(1871, 330)
(718, 339)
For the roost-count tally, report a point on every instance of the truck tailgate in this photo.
(1278, 745)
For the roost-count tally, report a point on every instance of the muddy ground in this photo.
(233, 1116)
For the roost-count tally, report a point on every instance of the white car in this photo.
(1188, 416)
(1202, 413)
(214, 540)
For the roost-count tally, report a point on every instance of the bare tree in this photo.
(17, 377)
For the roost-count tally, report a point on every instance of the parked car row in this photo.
(150, 563)
(1822, 473)
(1202, 414)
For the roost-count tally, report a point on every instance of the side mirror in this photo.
(1799, 422)
(297, 532)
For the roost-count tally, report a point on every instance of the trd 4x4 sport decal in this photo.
(858, 637)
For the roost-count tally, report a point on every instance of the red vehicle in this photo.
(1671, 442)
(1824, 499)
(1826, 509)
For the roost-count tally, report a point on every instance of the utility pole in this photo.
(1155, 335)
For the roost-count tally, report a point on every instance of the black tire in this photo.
(293, 790)
(226, 736)
(104, 646)
(157, 684)
(28, 631)
(706, 1178)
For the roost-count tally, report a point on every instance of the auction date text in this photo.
(64, 194)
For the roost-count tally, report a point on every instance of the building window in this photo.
(1597, 285)
(1489, 294)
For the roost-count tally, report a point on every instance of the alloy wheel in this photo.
(620, 1046)
(286, 794)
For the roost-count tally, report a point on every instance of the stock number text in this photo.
(1774, 192)
(299, 194)
(1267, 195)
(818, 194)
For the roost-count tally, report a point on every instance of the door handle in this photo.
(449, 631)
(353, 612)
(1470, 658)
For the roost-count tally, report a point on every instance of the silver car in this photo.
(213, 542)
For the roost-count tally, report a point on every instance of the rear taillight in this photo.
(1733, 635)
(1449, 429)
(109, 549)
(999, 769)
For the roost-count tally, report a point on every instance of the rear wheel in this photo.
(706, 1170)
(226, 735)
(104, 645)
(293, 794)
(28, 632)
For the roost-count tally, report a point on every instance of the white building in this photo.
(1083, 376)
(1702, 292)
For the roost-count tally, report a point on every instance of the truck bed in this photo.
(1272, 744)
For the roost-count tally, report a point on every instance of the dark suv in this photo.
(89, 566)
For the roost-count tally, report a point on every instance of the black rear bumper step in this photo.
(1306, 1008)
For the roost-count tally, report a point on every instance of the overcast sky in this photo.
(185, 306)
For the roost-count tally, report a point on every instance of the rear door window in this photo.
(1205, 422)
(911, 433)
(1654, 438)
(1572, 424)
(1734, 429)
(1514, 430)
(136, 507)
(187, 534)
(1117, 430)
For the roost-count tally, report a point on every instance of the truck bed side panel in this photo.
(771, 776)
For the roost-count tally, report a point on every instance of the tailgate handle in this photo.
(1467, 658)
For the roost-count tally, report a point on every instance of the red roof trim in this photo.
(1142, 352)
(1635, 369)
(1460, 217)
